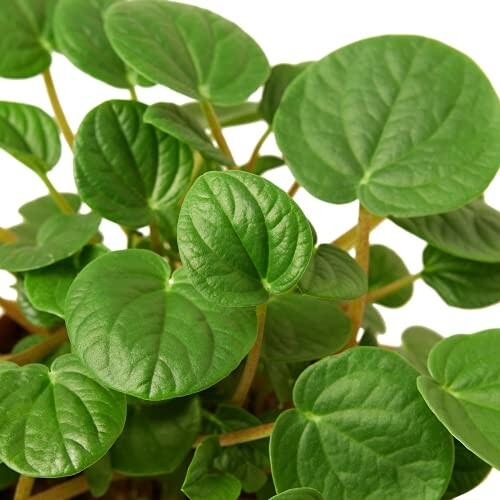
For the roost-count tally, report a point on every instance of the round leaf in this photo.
(241, 238)
(460, 282)
(333, 274)
(464, 390)
(156, 438)
(149, 335)
(406, 124)
(187, 49)
(147, 169)
(359, 415)
(417, 342)
(58, 422)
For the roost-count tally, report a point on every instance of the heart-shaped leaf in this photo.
(464, 390)
(30, 135)
(406, 124)
(156, 438)
(149, 335)
(173, 120)
(229, 116)
(187, 49)
(99, 476)
(147, 169)
(359, 415)
(303, 328)
(47, 287)
(460, 282)
(299, 494)
(241, 238)
(333, 274)
(24, 26)
(416, 344)
(471, 232)
(385, 267)
(57, 238)
(58, 422)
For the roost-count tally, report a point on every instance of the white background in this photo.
(294, 31)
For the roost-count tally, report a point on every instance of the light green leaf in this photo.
(99, 476)
(406, 124)
(148, 170)
(149, 335)
(460, 282)
(157, 438)
(47, 288)
(8, 477)
(229, 116)
(35, 316)
(23, 44)
(416, 344)
(56, 423)
(333, 274)
(173, 120)
(299, 494)
(303, 328)
(471, 232)
(204, 481)
(359, 415)
(385, 267)
(241, 238)
(57, 238)
(265, 163)
(464, 390)
(30, 135)
(190, 50)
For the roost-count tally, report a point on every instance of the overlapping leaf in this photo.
(416, 344)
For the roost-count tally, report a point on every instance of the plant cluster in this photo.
(226, 353)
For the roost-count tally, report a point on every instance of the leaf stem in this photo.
(24, 487)
(58, 111)
(244, 436)
(241, 392)
(348, 239)
(255, 153)
(293, 189)
(216, 129)
(7, 236)
(392, 287)
(154, 235)
(133, 93)
(11, 309)
(58, 198)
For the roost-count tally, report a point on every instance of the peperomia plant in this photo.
(225, 353)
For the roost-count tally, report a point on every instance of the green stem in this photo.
(24, 487)
(58, 198)
(154, 235)
(243, 436)
(392, 287)
(255, 154)
(133, 93)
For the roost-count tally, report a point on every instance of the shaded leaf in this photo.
(265, 163)
(299, 494)
(229, 116)
(8, 477)
(416, 344)
(373, 320)
(99, 476)
(34, 315)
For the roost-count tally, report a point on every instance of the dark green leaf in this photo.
(406, 124)
(265, 163)
(148, 170)
(229, 116)
(373, 320)
(191, 50)
(35, 316)
(8, 477)
(303, 328)
(99, 476)
(58, 422)
(29, 134)
(333, 274)
(460, 282)
(242, 239)
(149, 335)
(299, 494)
(464, 390)
(416, 344)
(359, 415)
(369, 339)
(385, 267)
(157, 438)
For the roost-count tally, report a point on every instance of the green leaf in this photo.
(359, 415)
(280, 78)
(471, 232)
(30, 135)
(460, 282)
(333, 274)
(265, 163)
(373, 320)
(99, 476)
(148, 170)
(464, 390)
(406, 124)
(157, 438)
(229, 116)
(173, 120)
(187, 49)
(23, 24)
(32, 340)
(385, 267)
(303, 328)
(299, 494)
(35, 316)
(241, 238)
(416, 344)
(149, 335)
(58, 422)
(79, 32)
(282, 377)
(8, 477)
(47, 288)
(205, 482)
(57, 238)
(468, 472)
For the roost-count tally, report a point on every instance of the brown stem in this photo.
(293, 189)
(348, 239)
(391, 287)
(154, 235)
(255, 153)
(11, 309)
(243, 436)
(7, 236)
(24, 487)
(241, 392)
